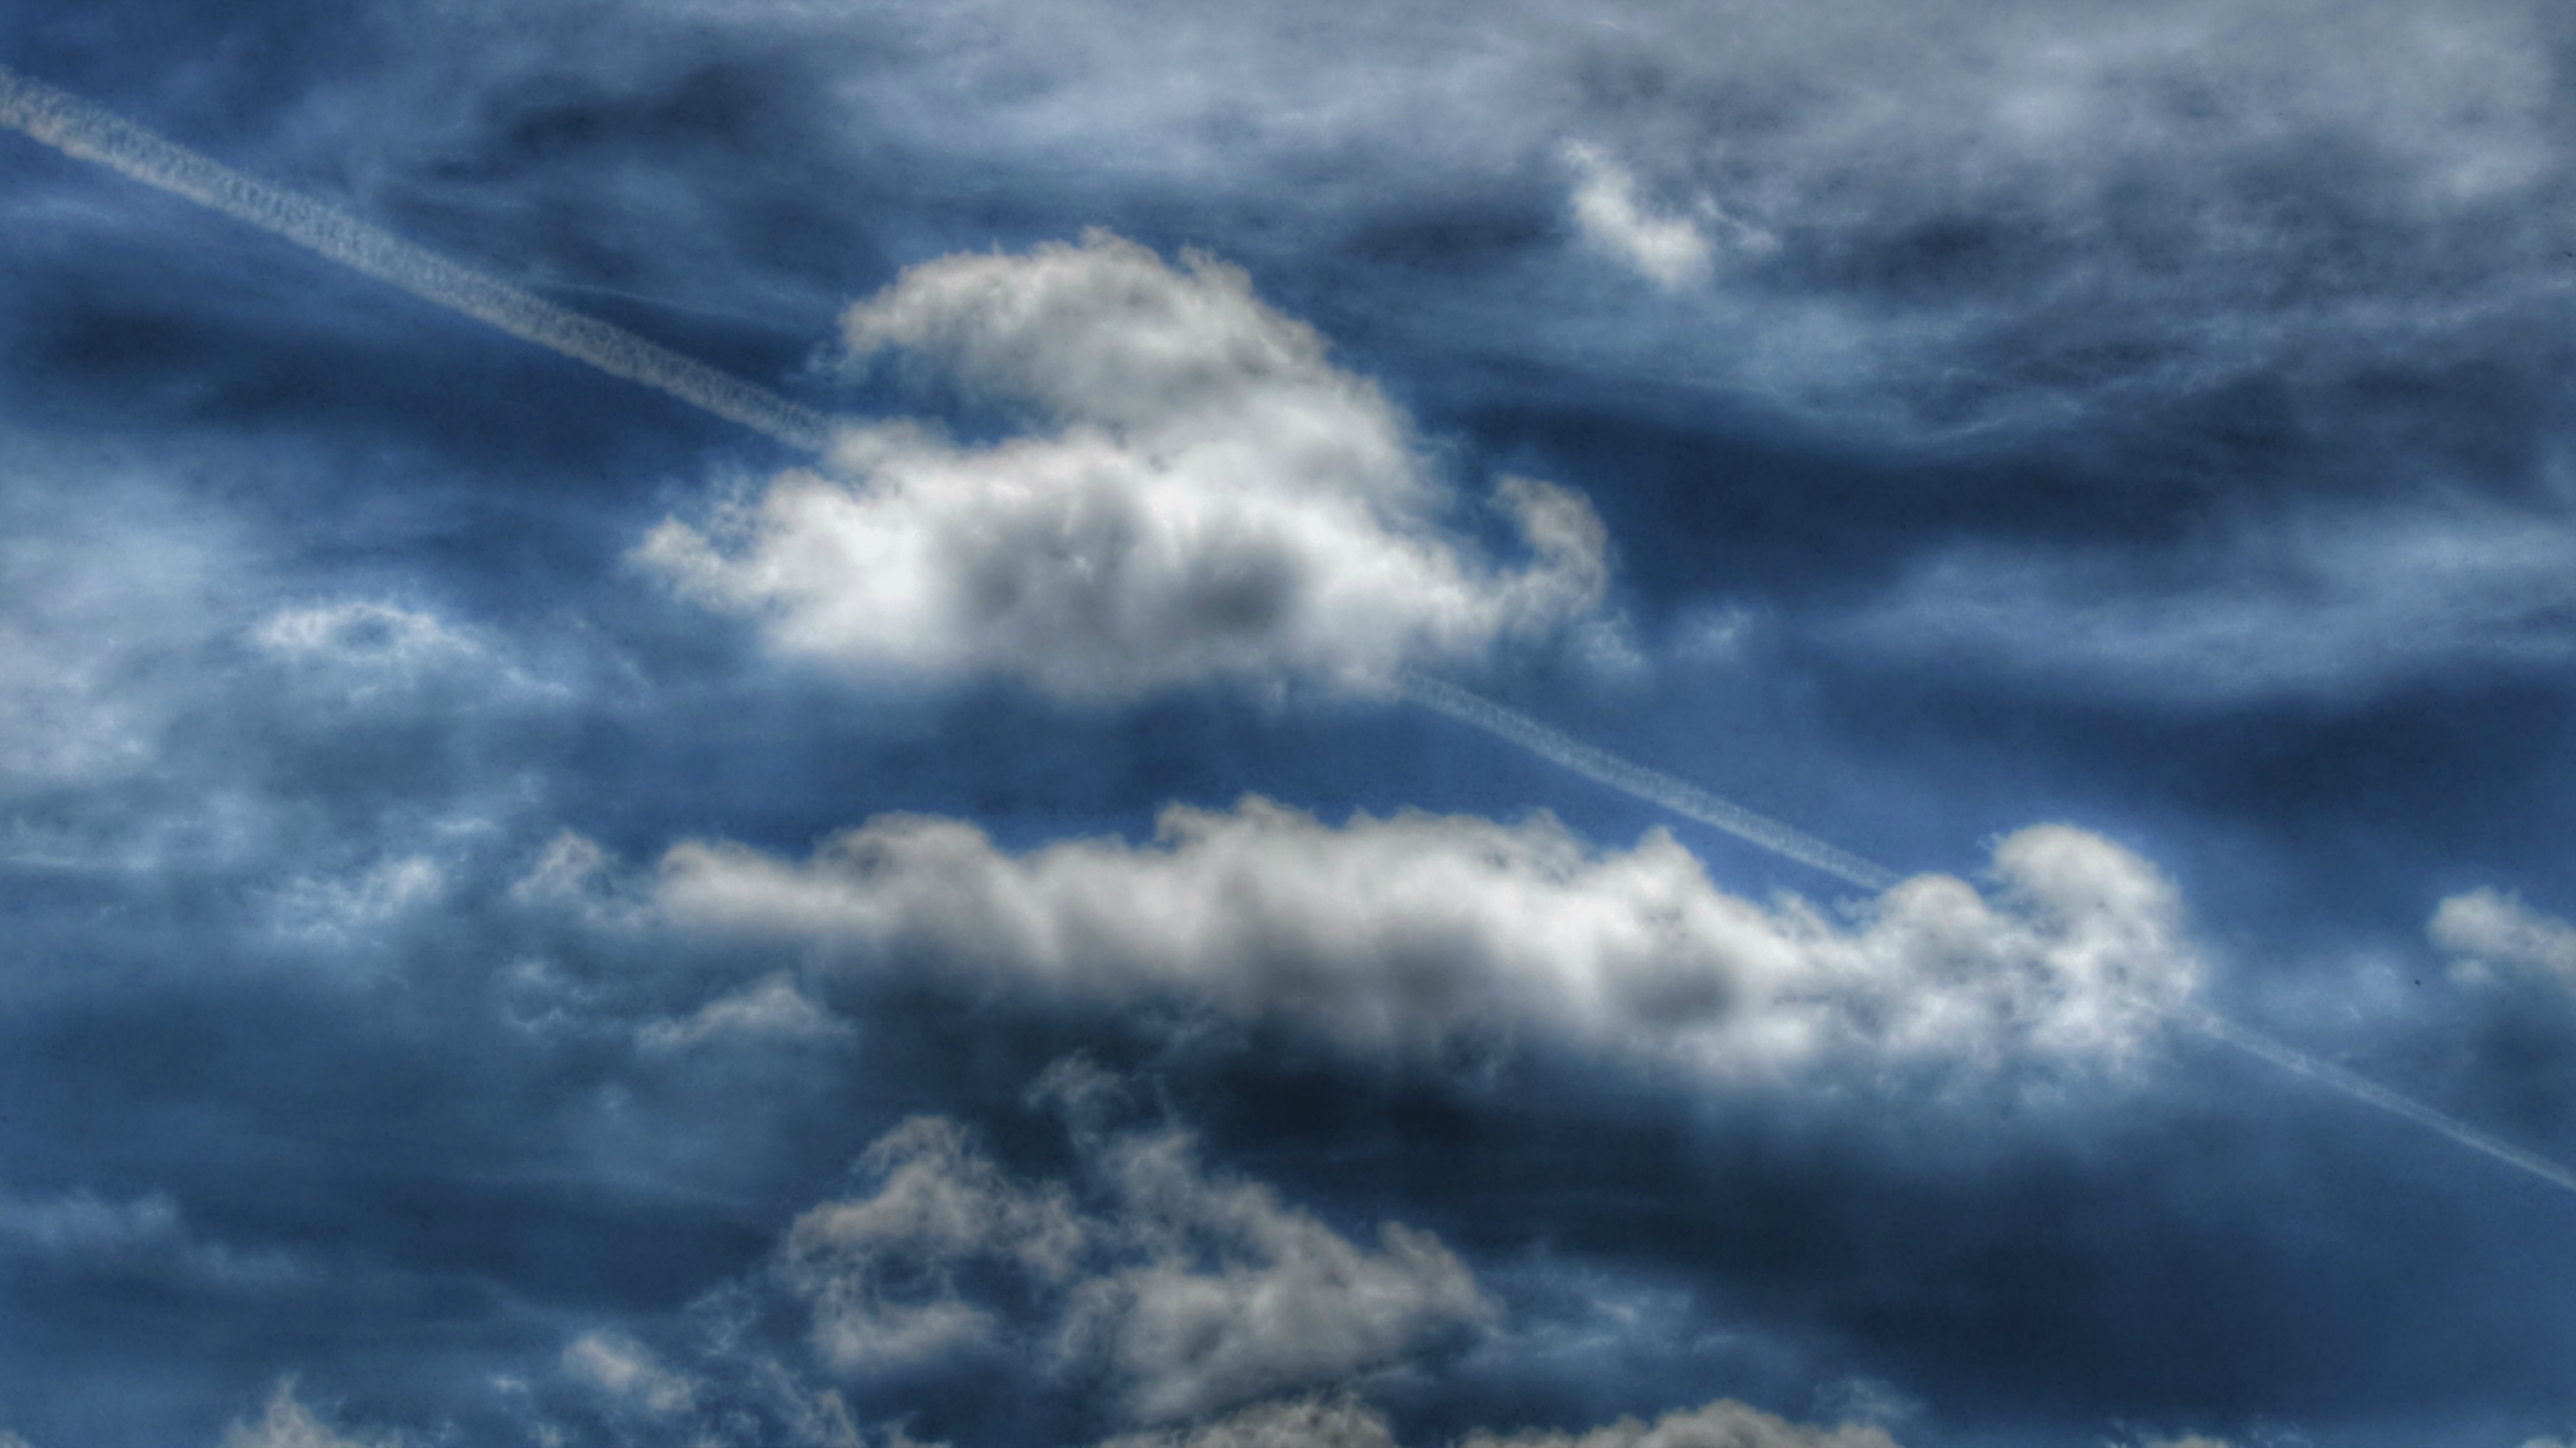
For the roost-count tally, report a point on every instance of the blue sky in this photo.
(537, 913)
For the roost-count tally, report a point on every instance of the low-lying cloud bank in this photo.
(1205, 496)
(1407, 931)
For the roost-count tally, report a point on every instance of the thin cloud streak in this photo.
(1655, 788)
(85, 132)
(2363, 1089)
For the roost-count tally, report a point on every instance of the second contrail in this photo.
(76, 128)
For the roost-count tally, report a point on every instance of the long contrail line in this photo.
(1654, 787)
(1692, 802)
(2362, 1088)
(76, 128)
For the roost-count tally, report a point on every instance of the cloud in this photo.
(2490, 929)
(145, 1237)
(1346, 1422)
(1669, 250)
(1405, 931)
(773, 1010)
(2324, 603)
(879, 1270)
(1209, 498)
(1329, 1422)
(1190, 1292)
(629, 1372)
(287, 1423)
(108, 579)
(1290, 1301)
(1722, 1424)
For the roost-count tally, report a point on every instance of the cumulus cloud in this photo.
(1411, 929)
(1289, 1301)
(1615, 220)
(1193, 1292)
(879, 1269)
(288, 1423)
(1207, 497)
(2488, 929)
(1722, 1424)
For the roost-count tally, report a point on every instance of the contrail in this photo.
(2362, 1088)
(76, 128)
(1655, 788)
(1692, 802)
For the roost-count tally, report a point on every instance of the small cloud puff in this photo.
(289, 1424)
(1669, 250)
(629, 1373)
(774, 1011)
(1404, 932)
(1208, 498)
(2485, 930)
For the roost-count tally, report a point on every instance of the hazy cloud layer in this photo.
(1411, 929)
(1212, 499)
(2331, 605)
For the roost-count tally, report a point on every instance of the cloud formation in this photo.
(288, 1423)
(1346, 1422)
(1191, 1292)
(2331, 602)
(1722, 1424)
(1670, 250)
(629, 1373)
(2489, 929)
(1208, 497)
(1405, 931)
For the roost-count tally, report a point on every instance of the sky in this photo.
(1121, 725)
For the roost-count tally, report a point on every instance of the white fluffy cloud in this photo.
(2490, 930)
(1194, 1292)
(1206, 496)
(1403, 931)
